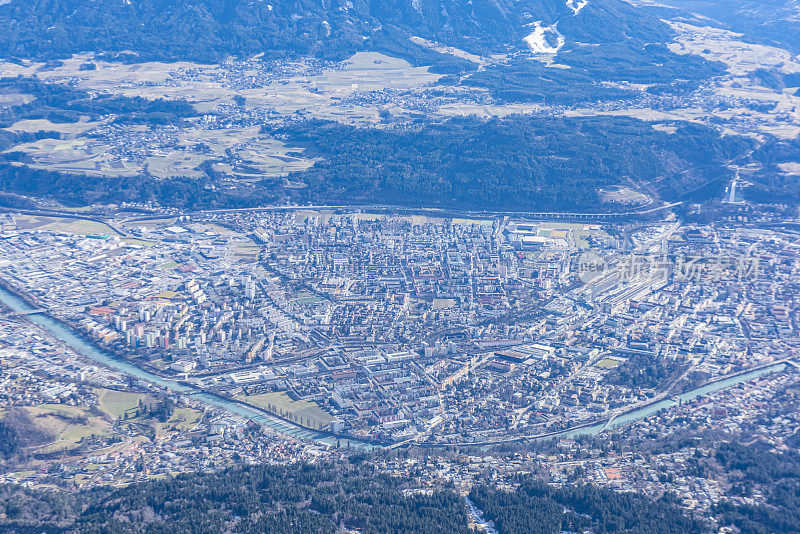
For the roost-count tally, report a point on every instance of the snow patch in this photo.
(417, 5)
(576, 5)
(542, 39)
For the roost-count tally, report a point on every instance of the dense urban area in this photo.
(458, 350)
(413, 267)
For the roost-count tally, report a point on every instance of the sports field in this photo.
(607, 363)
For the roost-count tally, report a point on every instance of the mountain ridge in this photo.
(208, 30)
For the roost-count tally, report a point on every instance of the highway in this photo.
(433, 211)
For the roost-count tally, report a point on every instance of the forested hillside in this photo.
(208, 30)
(770, 22)
(331, 498)
(536, 508)
(606, 40)
(298, 499)
(519, 163)
(775, 475)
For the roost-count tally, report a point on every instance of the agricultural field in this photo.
(15, 99)
(453, 51)
(371, 71)
(43, 125)
(243, 153)
(269, 157)
(105, 154)
(665, 128)
(63, 225)
(310, 413)
(728, 47)
(119, 78)
(79, 155)
(118, 403)
(184, 419)
(741, 59)
(287, 90)
(275, 92)
(68, 424)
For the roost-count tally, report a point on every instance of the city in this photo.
(420, 267)
(391, 330)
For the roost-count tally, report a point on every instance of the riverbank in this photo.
(644, 411)
(79, 343)
(327, 433)
(66, 334)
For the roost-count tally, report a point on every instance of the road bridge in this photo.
(11, 314)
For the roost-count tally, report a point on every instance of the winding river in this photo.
(652, 409)
(83, 347)
(65, 334)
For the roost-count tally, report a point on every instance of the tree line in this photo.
(537, 508)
